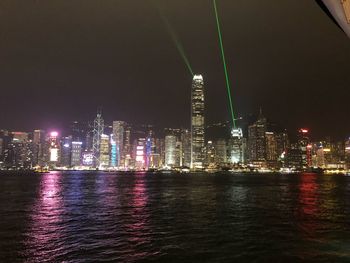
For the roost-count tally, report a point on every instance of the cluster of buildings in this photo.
(257, 146)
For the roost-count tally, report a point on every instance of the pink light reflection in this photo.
(46, 230)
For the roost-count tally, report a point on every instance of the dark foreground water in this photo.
(92, 217)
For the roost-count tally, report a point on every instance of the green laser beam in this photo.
(178, 44)
(175, 39)
(228, 86)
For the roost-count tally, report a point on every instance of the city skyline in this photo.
(93, 68)
(261, 146)
(174, 131)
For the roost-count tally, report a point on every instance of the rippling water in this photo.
(91, 217)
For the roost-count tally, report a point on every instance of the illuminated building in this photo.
(79, 132)
(210, 154)
(88, 141)
(178, 154)
(330, 155)
(271, 149)
(160, 149)
(347, 153)
(127, 148)
(140, 154)
(150, 148)
(170, 150)
(338, 154)
(155, 161)
(97, 138)
(322, 153)
(282, 142)
(197, 123)
(119, 130)
(236, 146)
(104, 152)
(53, 149)
(20, 136)
(220, 152)
(38, 147)
(257, 140)
(6, 149)
(114, 154)
(303, 142)
(88, 158)
(76, 153)
(186, 148)
(66, 151)
(293, 157)
(19, 153)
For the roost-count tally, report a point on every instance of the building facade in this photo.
(257, 140)
(170, 150)
(197, 123)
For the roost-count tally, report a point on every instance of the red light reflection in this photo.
(308, 204)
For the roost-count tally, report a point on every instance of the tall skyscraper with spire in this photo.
(97, 134)
(197, 123)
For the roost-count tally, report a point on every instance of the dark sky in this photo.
(61, 59)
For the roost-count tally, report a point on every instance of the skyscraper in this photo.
(119, 128)
(303, 142)
(140, 153)
(257, 140)
(186, 147)
(150, 147)
(271, 149)
(97, 133)
(197, 123)
(104, 152)
(53, 149)
(237, 146)
(210, 154)
(127, 148)
(220, 152)
(76, 153)
(113, 152)
(66, 151)
(170, 150)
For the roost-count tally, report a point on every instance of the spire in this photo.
(261, 113)
(99, 111)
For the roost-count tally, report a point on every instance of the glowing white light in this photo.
(197, 77)
(237, 133)
(53, 155)
(139, 159)
(54, 134)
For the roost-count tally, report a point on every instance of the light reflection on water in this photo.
(77, 216)
(46, 232)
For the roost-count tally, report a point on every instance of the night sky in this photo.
(61, 59)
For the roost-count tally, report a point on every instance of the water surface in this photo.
(92, 217)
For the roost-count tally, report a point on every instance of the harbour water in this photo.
(141, 217)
